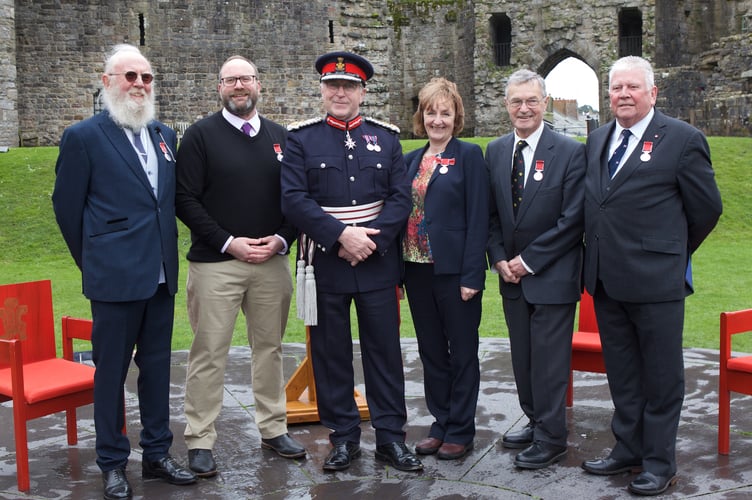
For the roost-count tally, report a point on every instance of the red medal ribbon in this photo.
(278, 149)
(539, 165)
(647, 147)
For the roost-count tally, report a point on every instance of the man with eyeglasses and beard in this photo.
(228, 194)
(114, 200)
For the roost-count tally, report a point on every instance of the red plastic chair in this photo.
(587, 355)
(31, 375)
(735, 372)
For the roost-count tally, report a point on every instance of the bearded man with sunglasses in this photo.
(114, 200)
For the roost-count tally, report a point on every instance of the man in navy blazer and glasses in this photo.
(114, 200)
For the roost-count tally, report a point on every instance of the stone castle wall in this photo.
(8, 76)
(52, 54)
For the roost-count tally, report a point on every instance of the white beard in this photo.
(126, 112)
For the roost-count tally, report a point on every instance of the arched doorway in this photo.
(574, 92)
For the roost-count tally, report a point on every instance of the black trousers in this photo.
(642, 350)
(447, 332)
(540, 337)
(332, 357)
(118, 329)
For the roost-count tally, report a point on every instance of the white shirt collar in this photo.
(637, 130)
(532, 139)
(238, 122)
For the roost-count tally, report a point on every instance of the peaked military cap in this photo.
(344, 66)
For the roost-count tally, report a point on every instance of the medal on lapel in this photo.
(647, 148)
(444, 162)
(163, 147)
(278, 150)
(539, 166)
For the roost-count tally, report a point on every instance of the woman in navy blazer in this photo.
(445, 268)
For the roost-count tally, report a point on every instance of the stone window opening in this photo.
(630, 32)
(501, 33)
(141, 30)
(331, 31)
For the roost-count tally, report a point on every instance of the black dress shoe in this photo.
(116, 485)
(398, 456)
(201, 462)
(539, 455)
(285, 446)
(519, 439)
(341, 456)
(169, 469)
(609, 466)
(648, 484)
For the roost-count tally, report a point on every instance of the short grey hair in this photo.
(633, 62)
(522, 76)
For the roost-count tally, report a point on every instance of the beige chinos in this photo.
(216, 291)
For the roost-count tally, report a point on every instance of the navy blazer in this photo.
(548, 229)
(642, 225)
(456, 211)
(117, 231)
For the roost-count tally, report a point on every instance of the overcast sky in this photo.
(573, 79)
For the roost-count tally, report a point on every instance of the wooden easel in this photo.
(301, 393)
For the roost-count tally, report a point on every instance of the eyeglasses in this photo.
(232, 80)
(349, 86)
(531, 103)
(131, 76)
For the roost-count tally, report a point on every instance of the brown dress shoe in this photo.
(453, 451)
(428, 446)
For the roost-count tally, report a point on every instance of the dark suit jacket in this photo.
(117, 231)
(456, 212)
(642, 225)
(548, 229)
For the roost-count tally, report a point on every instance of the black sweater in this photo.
(228, 185)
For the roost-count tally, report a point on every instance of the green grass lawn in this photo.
(33, 249)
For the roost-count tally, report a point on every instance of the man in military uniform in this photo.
(344, 185)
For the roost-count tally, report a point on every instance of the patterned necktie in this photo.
(518, 175)
(247, 128)
(613, 163)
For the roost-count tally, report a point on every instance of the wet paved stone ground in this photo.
(62, 472)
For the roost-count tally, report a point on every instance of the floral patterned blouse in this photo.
(415, 246)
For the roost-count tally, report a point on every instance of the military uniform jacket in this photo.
(319, 170)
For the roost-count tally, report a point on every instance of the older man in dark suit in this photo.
(114, 201)
(650, 201)
(535, 244)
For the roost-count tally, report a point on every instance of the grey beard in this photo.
(128, 114)
(237, 110)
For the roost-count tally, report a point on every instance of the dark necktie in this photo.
(518, 175)
(139, 145)
(613, 163)
(247, 128)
